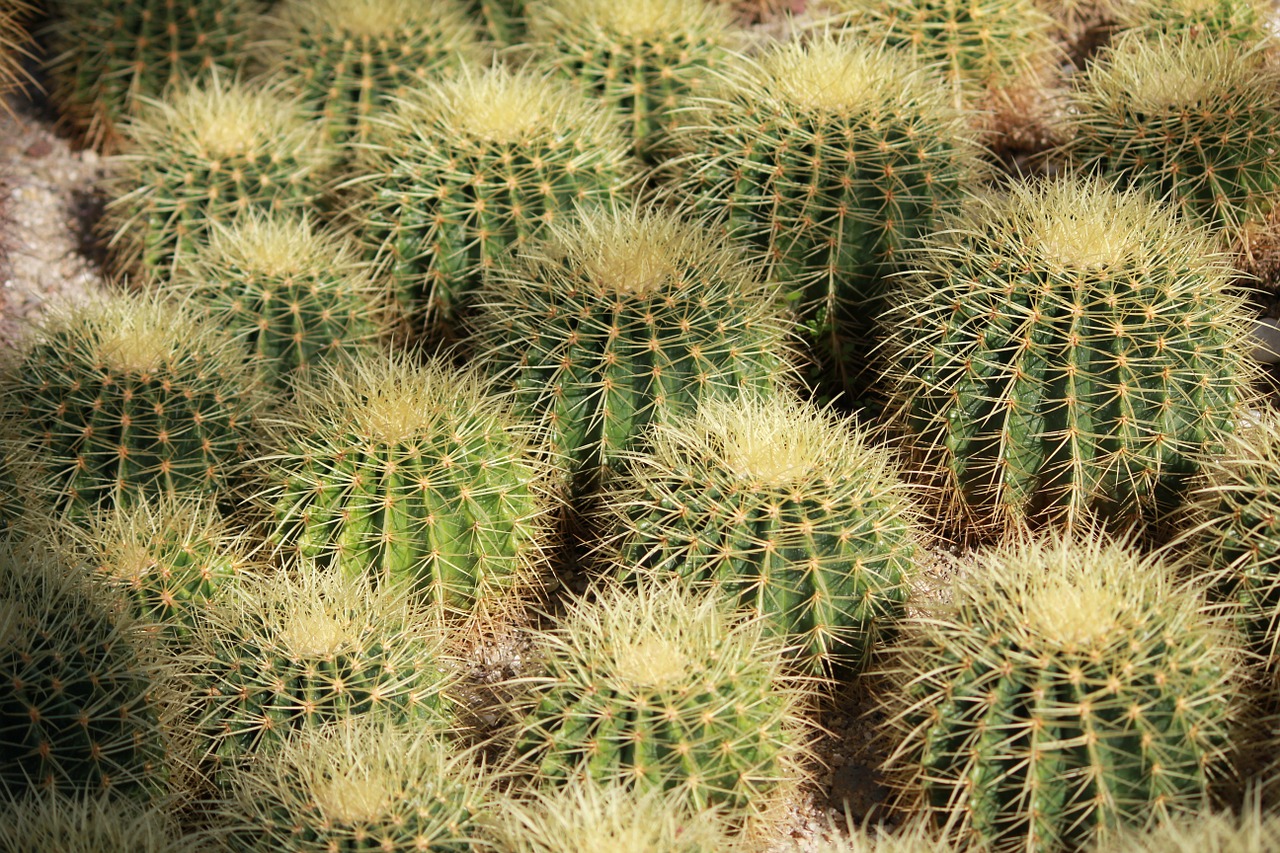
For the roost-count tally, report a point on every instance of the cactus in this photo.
(298, 295)
(1242, 22)
(56, 823)
(785, 508)
(1070, 688)
(292, 652)
(645, 58)
(362, 784)
(830, 157)
(659, 687)
(80, 708)
(128, 396)
(106, 54)
(624, 318)
(352, 58)
(205, 154)
(402, 474)
(503, 20)
(916, 837)
(1065, 354)
(1195, 120)
(468, 168)
(15, 47)
(1251, 831)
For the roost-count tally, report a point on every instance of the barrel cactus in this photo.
(1242, 22)
(93, 823)
(1070, 688)
(624, 318)
(786, 509)
(1065, 354)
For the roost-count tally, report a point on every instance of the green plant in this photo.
(786, 509)
(1194, 120)
(623, 318)
(1251, 831)
(469, 168)
(299, 296)
(645, 58)
(659, 687)
(106, 54)
(1070, 687)
(504, 20)
(416, 475)
(128, 396)
(208, 152)
(53, 822)
(1241, 22)
(362, 784)
(352, 59)
(1066, 354)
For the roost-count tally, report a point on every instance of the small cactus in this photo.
(299, 296)
(52, 822)
(417, 475)
(1065, 354)
(624, 318)
(784, 508)
(1070, 688)
(127, 396)
(469, 168)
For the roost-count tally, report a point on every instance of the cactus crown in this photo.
(129, 335)
(1160, 74)
(638, 19)
(377, 17)
(258, 242)
(1251, 831)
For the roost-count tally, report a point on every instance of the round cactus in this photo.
(786, 509)
(402, 474)
(624, 318)
(352, 58)
(468, 168)
(1195, 120)
(1251, 831)
(831, 157)
(1070, 687)
(79, 708)
(50, 821)
(105, 54)
(127, 396)
(299, 296)
(659, 687)
(361, 784)
(208, 152)
(289, 653)
(645, 58)
(1065, 354)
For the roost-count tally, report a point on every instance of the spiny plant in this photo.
(622, 318)
(645, 58)
(106, 54)
(1194, 120)
(80, 709)
(469, 168)
(829, 157)
(206, 153)
(783, 507)
(127, 396)
(22, 471)
(54, 822)
(1239, 22)
(298, 295)
(1251, 831)
(362, 784)
(299, 649)
(583, 816)
(661, 687)
(15, 48)
(1065, 354)
(418, 475)
(1070, 687)
(351, 59)
(503, 20)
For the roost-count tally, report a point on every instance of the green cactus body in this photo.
(624, 319)
(784, 508)
(298, 296)
(1241, 22)
(131, 396)
(204, 155)
(662, 688)
(504, 20)
(79, 709)
(402, 474)
(645, 58)
(292, 653)
(1065, 355)
(1070, 688)
(1196, 121)
(362, 785)
(470, 168)
(107, 53)
(831, 158)
(53, 822)
(353, 58)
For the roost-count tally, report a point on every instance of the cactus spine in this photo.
(100, 823)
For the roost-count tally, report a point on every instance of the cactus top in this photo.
(639, 19)
(1163, 74)
(282, 246)
(381, 18)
